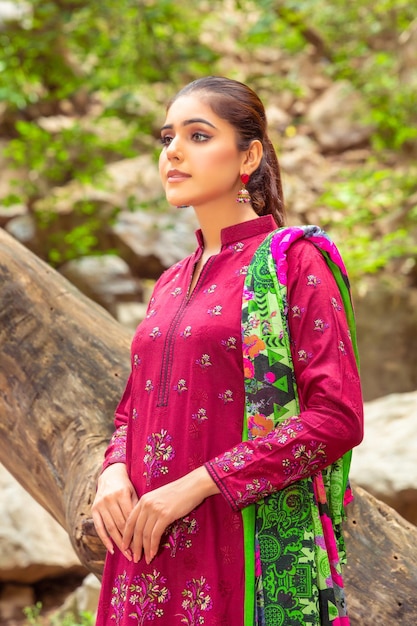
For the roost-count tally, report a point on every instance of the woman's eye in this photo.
(200, 137)
(166, 140)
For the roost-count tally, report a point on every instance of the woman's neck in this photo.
(212, 222)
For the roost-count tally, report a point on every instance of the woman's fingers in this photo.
(109, 531)
(157, 509)
(155, 540)
(144, 528)
(114, 501)
(101, 532)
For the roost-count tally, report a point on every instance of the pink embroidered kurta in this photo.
(183, 406)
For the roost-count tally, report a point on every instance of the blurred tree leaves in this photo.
(101, 60)
(62, 46)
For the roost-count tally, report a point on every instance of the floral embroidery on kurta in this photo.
(178, 535)
(155, 333)
(215, 311)
(181, 386)
(158, 452)
(147, 594)
(197, 601)
(226, 396)
(119, 595)
(200, 416)
(204, 361)
(229, 344)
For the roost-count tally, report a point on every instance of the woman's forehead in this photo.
(191, 106)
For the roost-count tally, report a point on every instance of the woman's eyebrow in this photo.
(194, 120)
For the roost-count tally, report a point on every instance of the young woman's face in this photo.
(200, 163)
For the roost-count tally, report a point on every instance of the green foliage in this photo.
(57, 58)
(53, 159)
(32, 614)
(73, 153)
(103, 65)
(357, 41)
(34, 618)
(69, 619)
(63, 46)
(373, 217)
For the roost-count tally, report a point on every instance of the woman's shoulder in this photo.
(305, 257)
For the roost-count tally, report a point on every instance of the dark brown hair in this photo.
(239, 105)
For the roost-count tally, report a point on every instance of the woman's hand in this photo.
(114, 501)
(157, 509)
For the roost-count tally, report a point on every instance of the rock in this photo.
(105, 279)
(8, 213)
(32, 544)
(278, 119)
(336, 118)
(130, 314)
(407, 55)
(23, 228)
(307, 164)
(13, 599)
(125, 183)
(310, 73)
(84, 599)
(124, 180)
(386, 315)
(55, 124)
(137, 178)
(13, 10)
(385, 462)
(150, 242)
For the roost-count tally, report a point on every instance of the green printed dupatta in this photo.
(294, 546)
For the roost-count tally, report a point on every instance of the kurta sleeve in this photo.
(330, 421)
(116, 450)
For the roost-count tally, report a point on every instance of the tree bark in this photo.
(381, 575)
(64, 363)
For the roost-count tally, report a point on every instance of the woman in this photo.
(221, 494)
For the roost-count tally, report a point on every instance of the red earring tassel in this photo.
(243, 196)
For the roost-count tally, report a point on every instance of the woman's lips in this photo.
(176, 176)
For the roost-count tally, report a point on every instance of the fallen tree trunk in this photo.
(381, 575)
(64, 362)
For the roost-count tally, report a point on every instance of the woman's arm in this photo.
(331, 411)
(115, 496)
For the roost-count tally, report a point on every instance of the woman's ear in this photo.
(253, 156)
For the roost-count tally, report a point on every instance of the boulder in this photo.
(150, 242)
(123, 185)
(385, 464)
(84, 599)
(105, 279)
(13, 599)
(386, 315)
(407, 55)
(33, 545)
(13, 11)
(135, 179)
(337, 116)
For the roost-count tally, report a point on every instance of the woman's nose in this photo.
(173, 150)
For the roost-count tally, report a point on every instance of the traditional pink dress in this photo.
(183, 406)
